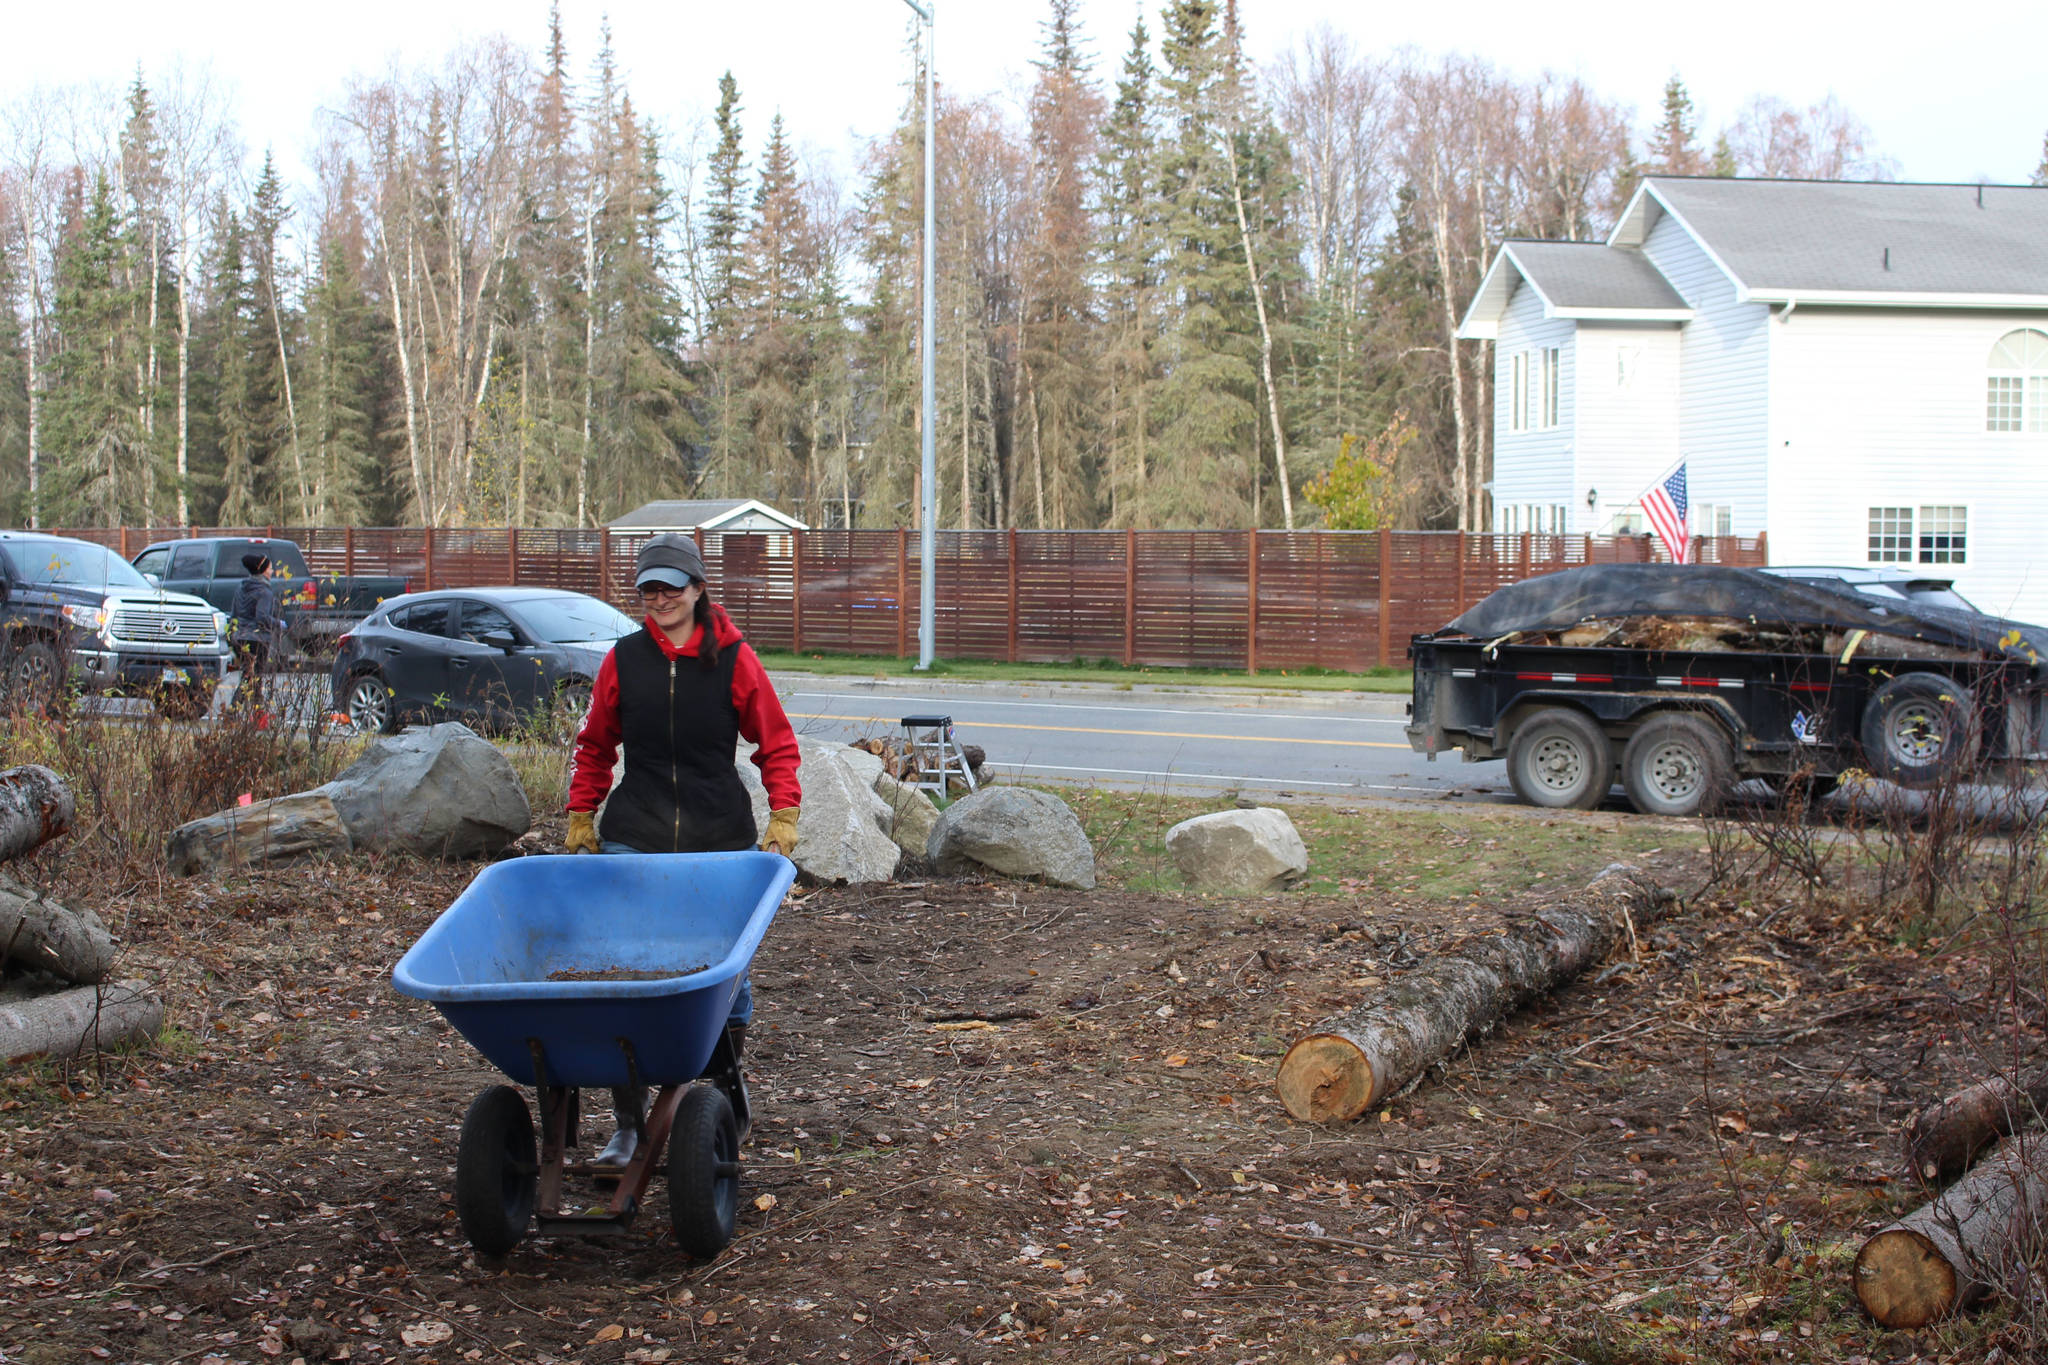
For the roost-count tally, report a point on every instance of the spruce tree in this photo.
(1205, 421)
(96, 447)
(230, 346)
(277, 450)
(724, 230)
(1673, 150)
(337, 365)
(13, 388)
(1128, 254)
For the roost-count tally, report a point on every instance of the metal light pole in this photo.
(928, 500)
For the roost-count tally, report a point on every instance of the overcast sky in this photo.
(1953, 92)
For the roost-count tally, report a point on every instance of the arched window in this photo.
(2016, 392)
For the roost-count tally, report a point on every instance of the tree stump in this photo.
(1977, 1237)
(64, 1024)
(1356, 1060)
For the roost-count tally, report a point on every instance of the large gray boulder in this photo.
(1015, 831)
(274, 831)
(842, 835)
(442, 793)
(911, 813)
(1238, 851)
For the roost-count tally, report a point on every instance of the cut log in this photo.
(1354, 1061)
(1944, 1138)
(64, 1024)
(45, 936)
(35, 807)
(1979, 1236)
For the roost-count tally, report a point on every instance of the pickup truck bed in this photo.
(318, 609)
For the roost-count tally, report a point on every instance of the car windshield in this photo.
(74, 563)
(1939, 595)
(573, 619)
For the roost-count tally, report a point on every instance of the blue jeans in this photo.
(743, 999)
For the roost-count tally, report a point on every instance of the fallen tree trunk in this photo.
(64, 1024)
(45, 936)
(1944, 1138)
(35, 807)
(1977, 1237)
(1356, 1060)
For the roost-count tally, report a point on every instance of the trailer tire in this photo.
(1560, 759)
(1918, 729)
(1677, 765)
(496, 1171)
(704, 1172)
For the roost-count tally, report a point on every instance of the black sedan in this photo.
(492, 657)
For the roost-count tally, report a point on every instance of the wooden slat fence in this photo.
(1339, 600)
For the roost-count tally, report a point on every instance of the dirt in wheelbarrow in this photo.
(997, 1121)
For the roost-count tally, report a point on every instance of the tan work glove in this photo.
(781, 835)
(582, 831)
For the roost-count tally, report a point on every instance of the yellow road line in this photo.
(1097, 730)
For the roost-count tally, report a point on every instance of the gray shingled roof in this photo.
(1593, 275)
(1830, 235)
(684, 513)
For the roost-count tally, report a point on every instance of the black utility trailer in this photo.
(1677, 681)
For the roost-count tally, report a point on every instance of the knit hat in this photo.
(668, 559)
(255, 564)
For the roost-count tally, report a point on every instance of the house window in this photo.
(1944, 533)
(1713, 519)
(1550, 382)
(1891, 535)
(1557, 518)
(1518, 389)
(1626, 524)
(2016, 390)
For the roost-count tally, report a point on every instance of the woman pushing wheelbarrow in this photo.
(622, 972)
(677, 695)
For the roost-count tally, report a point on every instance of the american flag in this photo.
(1664, 505)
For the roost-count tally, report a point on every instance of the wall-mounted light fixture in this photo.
(1592, 497)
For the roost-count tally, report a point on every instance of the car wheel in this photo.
(1560, 759)
(35, 677)
(572, 704)
(1918, 729)
(370, 706)
(1676, 765)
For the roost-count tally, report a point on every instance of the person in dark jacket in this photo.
(257, 625)
(677, 695)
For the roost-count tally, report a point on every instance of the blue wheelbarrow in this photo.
(568, 972)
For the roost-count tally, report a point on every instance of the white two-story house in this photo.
(1859, 369)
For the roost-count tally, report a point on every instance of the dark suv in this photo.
(75, 609)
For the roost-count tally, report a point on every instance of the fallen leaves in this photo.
(428, 1332)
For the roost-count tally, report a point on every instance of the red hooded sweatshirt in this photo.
(761, 721)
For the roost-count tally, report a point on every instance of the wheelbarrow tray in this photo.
(686, 924)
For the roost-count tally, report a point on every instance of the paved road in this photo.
(1157, 739)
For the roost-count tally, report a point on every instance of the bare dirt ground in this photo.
(1000, 1121)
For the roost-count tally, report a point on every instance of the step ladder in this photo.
(934, 757)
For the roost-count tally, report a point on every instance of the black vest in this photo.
(680, 792)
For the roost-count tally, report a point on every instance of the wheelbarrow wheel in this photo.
(496, 1171)
(704, 1172)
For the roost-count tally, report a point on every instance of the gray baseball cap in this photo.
(668, 559)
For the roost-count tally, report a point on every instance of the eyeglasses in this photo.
(662, 592)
